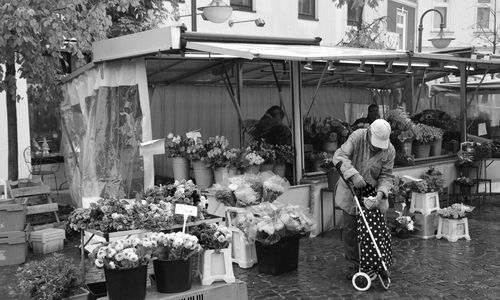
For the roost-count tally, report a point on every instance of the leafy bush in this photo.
(52, 278)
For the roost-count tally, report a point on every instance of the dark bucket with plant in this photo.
(173, 276)
(280, 257)
(126, 284)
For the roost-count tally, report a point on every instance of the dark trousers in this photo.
(350, 238)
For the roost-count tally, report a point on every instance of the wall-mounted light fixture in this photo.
(361, 68)
(258, 22)
(388, 70)
(217, 11)
(331, 66)
(308, 66)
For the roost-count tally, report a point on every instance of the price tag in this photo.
(186, 210)
(481, 129)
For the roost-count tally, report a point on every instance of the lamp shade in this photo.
(217, 11)
(441, 42)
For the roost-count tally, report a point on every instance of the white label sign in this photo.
(2, 255)
(481, 129)
(187, 210)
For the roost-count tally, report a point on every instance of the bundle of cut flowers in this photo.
(174, 246)
(218, 152)
(274, 186)
(212, 236)
(267, 222)
(455, 211)
(252, 157)
(404, 223)
(123, 254)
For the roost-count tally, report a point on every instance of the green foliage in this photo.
(53, 278)
(34, 32)
(426, 134)
(366, 35)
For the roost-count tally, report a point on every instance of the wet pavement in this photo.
(422, 269)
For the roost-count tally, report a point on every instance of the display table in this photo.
(216, 291)
(128, 233)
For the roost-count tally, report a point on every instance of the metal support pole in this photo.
(463, 102)
(193, 16)
(239, 88)
(295, 91)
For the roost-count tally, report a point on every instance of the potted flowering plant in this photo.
(125, 266)
(425, 135)
(215, 261)
(176, 148)
(455, 211)
(267, 152)
(251, 160)
(401, 129)
(276, 229)
(453, 223)
(172, 253)
(52, 278)
(328, 166)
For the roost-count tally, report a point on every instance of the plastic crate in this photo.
(12, 248)
(47, 240)
(12, 216)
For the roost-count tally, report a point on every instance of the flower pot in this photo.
(180, 166)
(280, 169)
(453, 229)
(280, 257)
(421, 150)
(332, 176)
(96, 290)
(203, 174)
(173, 276)
(330, 146)
(436, 147)
(81, 294)
(221, 174)
(267, 167)
(405, 147)
(252, 169)
(215, 266)
(232, 171)
(128, 284)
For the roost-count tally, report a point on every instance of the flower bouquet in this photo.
(455, 211)
(218, 154)
(274, 186)
(176, 146)
(241, 191)
(123, 254)
(174, 246)
(212, 236)
(403, 225)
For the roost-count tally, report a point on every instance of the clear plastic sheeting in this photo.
(107, 144)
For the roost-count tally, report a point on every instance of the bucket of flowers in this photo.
(214, 262)
(172, 254)
(252, 160)
(176, 148)
(453, 223)
(328, 166)
(125, 266)
(403, 226)
(276, 229)
(284, 155)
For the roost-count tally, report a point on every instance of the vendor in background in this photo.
(365, 122)
(271, 129)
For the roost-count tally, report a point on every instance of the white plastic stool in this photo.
(214, 266)
(424, 203)
(453, 229)
(243, 252)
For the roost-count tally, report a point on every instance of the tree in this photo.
(363, 34)
(34, 32)
(485, 33)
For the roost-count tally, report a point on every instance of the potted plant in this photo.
(424, 136)
(437, 143)
(284, 155)
(197, 153)
(332, 132)
(52, 278)
(125, 266)
(453, 223)
(266, 151)
(252, 160)
(424, 191)
(276, 230)
(175, 147)
(172, 260)
(214, 262)
(401, 129)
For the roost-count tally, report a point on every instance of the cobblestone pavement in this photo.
(423, 269)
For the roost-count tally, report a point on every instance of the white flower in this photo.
(133, 257)
(111, 252)
(170, 136)
(99, 263)
(119, 246)
(176, 139)
(115, 215)
(112, 265)
(119, 256)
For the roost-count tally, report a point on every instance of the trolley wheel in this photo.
(361, 281)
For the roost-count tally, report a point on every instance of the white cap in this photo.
(380, 131)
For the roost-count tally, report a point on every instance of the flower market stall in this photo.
(160, 79)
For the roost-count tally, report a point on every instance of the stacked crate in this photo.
(12, 235)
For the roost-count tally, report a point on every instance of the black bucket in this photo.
(278, 258)
(173, 276)
(129, 284)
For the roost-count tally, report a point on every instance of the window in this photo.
(441, 6)
(401, 25)
(242, 4)
(352, 14)
(307, 9)
(483, 14)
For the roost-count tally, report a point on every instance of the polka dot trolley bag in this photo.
(375, 249)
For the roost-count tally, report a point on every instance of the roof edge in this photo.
(248, 39)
